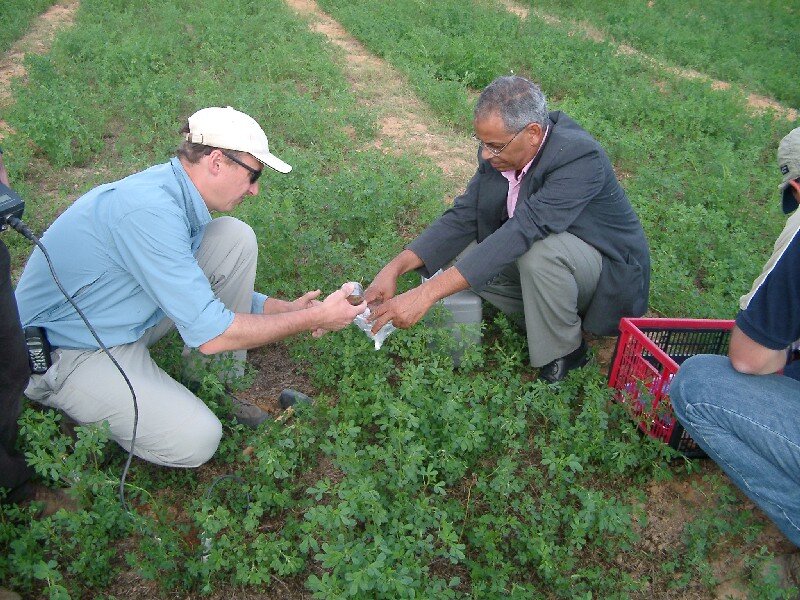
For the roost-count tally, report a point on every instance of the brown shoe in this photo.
(48, 501)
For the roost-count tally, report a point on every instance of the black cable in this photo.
(23, 229)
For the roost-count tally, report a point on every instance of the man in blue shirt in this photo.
(744, 409)
(142, 255)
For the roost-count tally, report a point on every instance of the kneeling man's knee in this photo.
(235, 230)
(199, 441)
(695, 379)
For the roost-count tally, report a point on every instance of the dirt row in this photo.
(406, 123)
(37, 41)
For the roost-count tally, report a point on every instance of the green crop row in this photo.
(742, 41)
(15, 18)
(407, 478)
(110, 102)
(698, 167)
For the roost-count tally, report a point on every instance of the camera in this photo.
(11, 205)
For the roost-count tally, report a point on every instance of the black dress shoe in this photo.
(247, 413)
(557, 369)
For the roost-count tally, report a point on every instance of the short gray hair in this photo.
(518, 101)
(193, 153)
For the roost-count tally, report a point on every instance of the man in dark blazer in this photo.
(543, 229)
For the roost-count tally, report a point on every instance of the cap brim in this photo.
(273, 162)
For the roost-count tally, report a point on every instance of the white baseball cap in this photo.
(233, 130)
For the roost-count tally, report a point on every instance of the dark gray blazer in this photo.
(570, 187)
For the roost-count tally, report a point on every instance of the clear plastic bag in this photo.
(364, 325)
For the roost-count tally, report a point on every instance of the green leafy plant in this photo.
(408, 477)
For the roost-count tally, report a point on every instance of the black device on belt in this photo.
(11, 205)
(38, 349)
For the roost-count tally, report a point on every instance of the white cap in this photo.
(233, 130)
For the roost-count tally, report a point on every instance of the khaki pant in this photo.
(548, 287)
(175, 428)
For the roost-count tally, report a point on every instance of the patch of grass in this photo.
(744, 42)
(16, 16)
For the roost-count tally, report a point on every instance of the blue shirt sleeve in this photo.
(155, 249)
(257, 306)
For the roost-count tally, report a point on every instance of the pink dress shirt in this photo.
(514, 180)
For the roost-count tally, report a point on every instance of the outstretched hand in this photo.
(382, 288)
(337, 312)
(403, 311)
(307, 300)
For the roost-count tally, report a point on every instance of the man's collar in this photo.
(194, 205)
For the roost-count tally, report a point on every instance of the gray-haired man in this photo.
(543, 229)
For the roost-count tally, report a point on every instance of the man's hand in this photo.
(403, 311)
(337, 313)
(273, 306)
(407, 309)
(307, 300)
(382, 288)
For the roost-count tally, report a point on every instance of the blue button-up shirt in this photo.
(125, 252)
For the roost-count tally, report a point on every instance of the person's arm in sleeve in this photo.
(453, 231)
(552, 209)
(157, 253)
(768, 323)
(249, 331)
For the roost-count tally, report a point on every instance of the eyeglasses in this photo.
(496, 151)
(254, 173)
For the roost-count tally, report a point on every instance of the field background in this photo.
(408, 478)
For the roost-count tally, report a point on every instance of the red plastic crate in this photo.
(648, 354)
